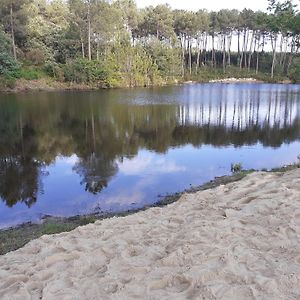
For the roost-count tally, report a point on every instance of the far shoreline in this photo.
(42, 85)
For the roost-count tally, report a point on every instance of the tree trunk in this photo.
(246, 48)
(89, 31)
(12, 32)
(213, 50)
(257, 56)
(281, 52)
(257, 62)
(224, 53)
(198, 56)
(205, 48)
(98, 54)
(190, 54)
(82, 49)
(274, 44)
(239, 49)
(182, 54)
(229, 49)
(250, 51)
(242, 52)
(285, 56)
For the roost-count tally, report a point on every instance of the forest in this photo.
(103, 44)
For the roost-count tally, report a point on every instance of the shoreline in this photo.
(236, 80)
(235, 241)
(46, 85)
(15, 237)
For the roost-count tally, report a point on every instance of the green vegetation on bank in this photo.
(102, 43)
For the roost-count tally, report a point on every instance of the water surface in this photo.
(70, 153)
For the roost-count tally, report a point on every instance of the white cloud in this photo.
(71, 160)
(149, 164)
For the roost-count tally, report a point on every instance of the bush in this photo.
(130, 67)
(236, 167)
(294, 72)
(28, 74)
(84, 71)
(35, 56)
(7, 82)
(8, 66)
(53, 69)
(167, 59)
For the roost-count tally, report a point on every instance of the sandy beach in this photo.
(238, 241)
(235, 80)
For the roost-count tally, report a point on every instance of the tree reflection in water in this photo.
(102, 128)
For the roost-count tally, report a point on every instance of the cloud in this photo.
(71, 160)
(149, 164)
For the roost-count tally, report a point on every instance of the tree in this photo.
(202, 27)
(14, 21)
(8, 64)
(158, 22)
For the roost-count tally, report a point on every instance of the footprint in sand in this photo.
(175, 284)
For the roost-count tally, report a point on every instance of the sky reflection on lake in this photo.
(65, 154)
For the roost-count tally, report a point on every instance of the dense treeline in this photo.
(113, 43)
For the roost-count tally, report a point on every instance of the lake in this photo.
(72, 153)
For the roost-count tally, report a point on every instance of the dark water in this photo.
(73, 153)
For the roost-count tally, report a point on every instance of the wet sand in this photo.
(238, 241)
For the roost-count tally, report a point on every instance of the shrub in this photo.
(84, 71)
(53, 69)
(35, 56)
(129, 67)
(7, 82)
(236, 167)
(294, 72)
(8, 66)
(28, 74)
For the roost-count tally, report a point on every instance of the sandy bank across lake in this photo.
(238, 241)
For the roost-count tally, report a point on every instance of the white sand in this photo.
(234, 80)
(239, 241)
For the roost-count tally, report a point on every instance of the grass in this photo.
(15, 238)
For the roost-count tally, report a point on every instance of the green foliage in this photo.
(8, 65)
(35, 56)
(127, 46)
(7, 82)
(29, 73)
(294, 72)
(4, 43)
(84, 71)
(236, 167)
(55, 70)
(167, 59)
(128, 66)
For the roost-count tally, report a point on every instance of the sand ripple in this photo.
(239, 241)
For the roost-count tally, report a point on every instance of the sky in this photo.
(209, 4)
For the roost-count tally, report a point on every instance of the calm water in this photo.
(71, 153)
